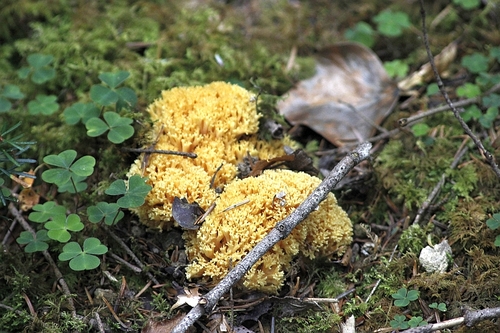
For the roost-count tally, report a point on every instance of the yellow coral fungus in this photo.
(227, 236)
(219, 123)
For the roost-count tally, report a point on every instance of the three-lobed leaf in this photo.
(391, 23)
(80, 112)
(110, 212)
(67, 167)
(113, 80)
(133, 195)
(36, 243)
(59, 227)
(43, 212)
(403, 297)
(494, 222)
(83, 259)
(119, 127)
(43, 104)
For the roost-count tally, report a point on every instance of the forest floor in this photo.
(65, 66)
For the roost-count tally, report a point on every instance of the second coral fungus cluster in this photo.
(219, 123)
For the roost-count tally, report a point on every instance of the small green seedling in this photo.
(494, 223)
(403, 297)
(10, 91)
(440, 307)
(392, 24)
(60, 226)
(133, 195)
(35, 244)
(110, 212)
(432, 89)
(109, 94)
(83, 259)
(420, 129)
(119, 127)
(399, 322)
(396, 68)
(43, 212)
(80, 112)
(39, 68)
(416, 322)
(68, 170)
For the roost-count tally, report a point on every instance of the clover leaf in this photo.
(362, 33)
(110, 212)
(441, 306)
(113, 80)
(133, 195)
(475, 63)
(60, 226)
(42, 213)
(494, 222)
(43, 104)
(119, 127)
(80, 112)
(37, 243)
(469, 90)
(83, 259)
(39, 66)
(417, 321)
(403, 297)
(399, 322)
(109, 94)
(75, 185)
(67, 167)
(10, 91)
(391, 23)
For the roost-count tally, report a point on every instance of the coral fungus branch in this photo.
(281, 231)
(489, 157)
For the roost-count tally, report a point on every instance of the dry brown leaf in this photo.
(349, 93)
(190, 297)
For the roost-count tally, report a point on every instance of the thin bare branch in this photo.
(280, 231)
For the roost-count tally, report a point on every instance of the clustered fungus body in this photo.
(219, 122)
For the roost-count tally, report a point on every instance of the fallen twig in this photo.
(279, 232)
(60, 279)
(132, 255)
(160, 151)
(488, 156)
(470, 318)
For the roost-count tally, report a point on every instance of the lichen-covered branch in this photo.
(281, 231)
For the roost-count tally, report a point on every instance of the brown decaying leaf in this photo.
(349, 93)
(186, 214)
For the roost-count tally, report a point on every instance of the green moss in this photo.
(413, 239)
(312, 321)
